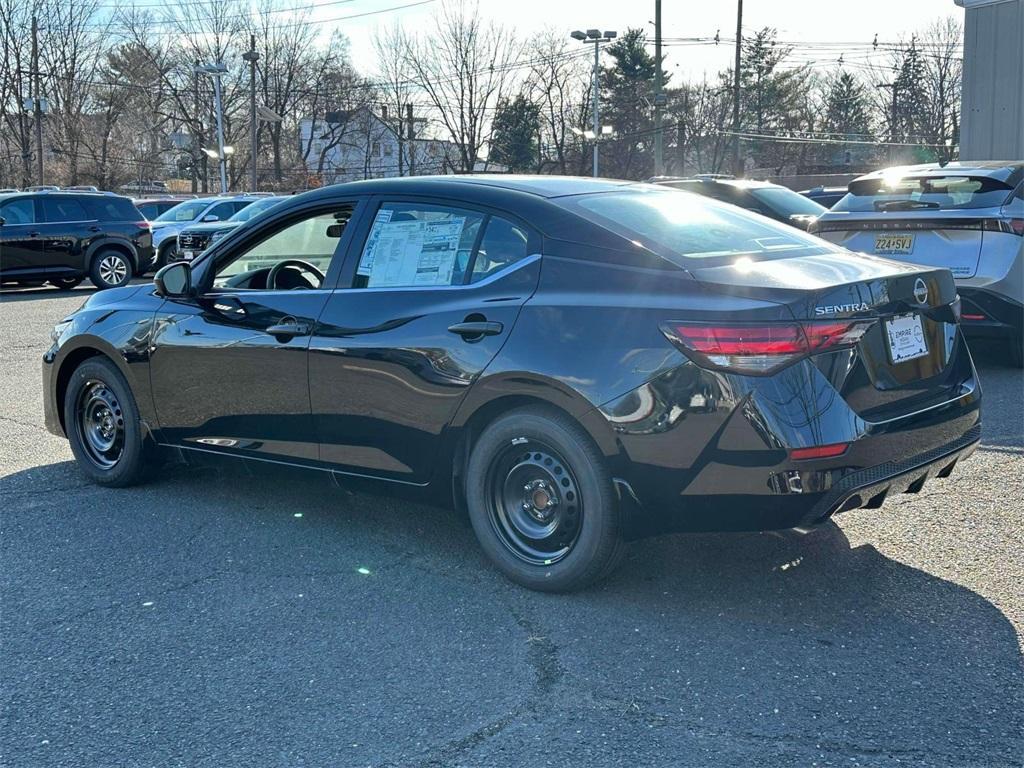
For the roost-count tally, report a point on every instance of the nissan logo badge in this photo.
(920, 291)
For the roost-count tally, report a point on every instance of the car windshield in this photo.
(254, 208)
(691, 226)
(786, 202)
(912, 193)
(187, 211)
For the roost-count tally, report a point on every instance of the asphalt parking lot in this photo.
(217, 619)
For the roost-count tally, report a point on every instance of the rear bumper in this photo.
(988, 314)
(711, 452)
(869, 488)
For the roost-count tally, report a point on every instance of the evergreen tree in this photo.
(514, 134)
(627, 89)
(847, 110)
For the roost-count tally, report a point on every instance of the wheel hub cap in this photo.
(535, 504)
(100, 424)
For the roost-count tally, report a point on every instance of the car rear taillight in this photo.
(142, 225)
(1008, 226)
(760, 349)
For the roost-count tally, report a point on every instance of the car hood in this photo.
(212, 226)
(112, 296)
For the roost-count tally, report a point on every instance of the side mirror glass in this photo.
(174, 280)
(211, 217)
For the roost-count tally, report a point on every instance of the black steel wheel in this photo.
(101, 420)
(100, 424)
(541, 501)
(534, 502)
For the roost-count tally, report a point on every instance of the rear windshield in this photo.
(923, 193)
(691, 226)
(787, 202)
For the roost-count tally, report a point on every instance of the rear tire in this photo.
(542, 503)
(165, 255)
(66, 283)
(1016, 356)
(103, 426)
(110, 269)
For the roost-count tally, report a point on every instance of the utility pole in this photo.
(37, 105)
(737, 168)
(597, 100)
(222, 159)
(659, 97)
(252, 57)
(411, 135)
(893, 117)
(197, 131)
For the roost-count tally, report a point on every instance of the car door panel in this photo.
(389, 367)
(222, 380)
(229, 369)
(21, 243)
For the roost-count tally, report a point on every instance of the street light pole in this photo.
(596, 37)
(222, 158)
(659, 97)
(252, 57)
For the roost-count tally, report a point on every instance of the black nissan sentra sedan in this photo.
(573, 362)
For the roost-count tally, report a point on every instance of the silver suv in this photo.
(966, 217)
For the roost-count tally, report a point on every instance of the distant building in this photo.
(992, 110)
(359, 144)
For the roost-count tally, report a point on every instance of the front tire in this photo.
(542, 502)
(66, 283)
(103, 425)
(110, 269)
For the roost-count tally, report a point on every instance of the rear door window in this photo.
(412, 244)
(21, 211)
(64, 209)
(108, 208)
(914, 193)
(503, 243)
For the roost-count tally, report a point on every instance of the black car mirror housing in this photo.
(174, 280)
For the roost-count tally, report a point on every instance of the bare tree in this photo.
(464, 66)
(559, 82)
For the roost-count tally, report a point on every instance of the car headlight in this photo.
(58, 330)
(217, 236)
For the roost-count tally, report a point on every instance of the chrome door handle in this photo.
(288, 330)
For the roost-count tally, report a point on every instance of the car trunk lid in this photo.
(905, 358)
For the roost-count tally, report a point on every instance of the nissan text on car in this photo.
(964, 217)
(574, 363)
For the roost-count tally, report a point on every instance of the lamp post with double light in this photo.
(596, 36)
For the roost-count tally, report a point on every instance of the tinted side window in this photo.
(20, 211)
(236, 207)
(63, 209)
(106, 208)
(222, 211)
(503, 243)
(418, 245)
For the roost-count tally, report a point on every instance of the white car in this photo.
(966, 217)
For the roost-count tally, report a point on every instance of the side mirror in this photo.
(211, 217)
(174, 280)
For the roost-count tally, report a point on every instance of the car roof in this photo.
(1010, 172)
(731, 182)
(540, 186)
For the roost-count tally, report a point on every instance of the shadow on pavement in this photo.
(710, 649)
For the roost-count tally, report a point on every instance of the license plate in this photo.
(906, 338)
(892, 245)
(188, 255)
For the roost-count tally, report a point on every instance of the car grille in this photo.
(193, 241)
